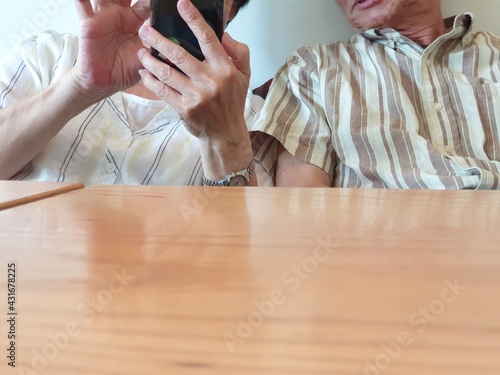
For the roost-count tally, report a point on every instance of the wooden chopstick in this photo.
(40, 196)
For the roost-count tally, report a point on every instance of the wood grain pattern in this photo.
(16, 193)
(166, 280)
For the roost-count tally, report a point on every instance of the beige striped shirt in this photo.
(382, 112)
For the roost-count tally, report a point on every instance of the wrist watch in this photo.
(241, 178)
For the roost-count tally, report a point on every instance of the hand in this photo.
(107, 57)
(210, 95)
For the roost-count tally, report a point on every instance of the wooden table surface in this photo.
(15, 193)
(165, 280)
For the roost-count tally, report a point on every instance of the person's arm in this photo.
(291, 171)
(292, 130)
(209, 97)
(106, 63)
(28, 125)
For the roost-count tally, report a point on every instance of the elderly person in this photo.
(76, 109)
(406, 103)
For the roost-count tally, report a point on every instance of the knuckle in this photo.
(196, 104)
(227, 75)
(245, 50)
(160, 90)
(179, 56)
(205, 97)
(194, 20)
(208, 38)
(203, 34)
(158, 43)
(164, 73)
(212, 92)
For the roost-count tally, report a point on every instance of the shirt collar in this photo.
(462, 29)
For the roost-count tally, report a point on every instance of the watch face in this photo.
(238, 181)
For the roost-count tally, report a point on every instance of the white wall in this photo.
(272, 28)
(486, 12)
(22, 18)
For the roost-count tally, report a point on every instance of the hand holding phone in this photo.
(210, 96)
(166, 19)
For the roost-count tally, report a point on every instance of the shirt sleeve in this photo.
(295, 116)
(34, 64)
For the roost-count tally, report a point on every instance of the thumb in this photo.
(238, 52)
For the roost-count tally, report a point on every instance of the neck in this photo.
(424, 36)
(423, 25)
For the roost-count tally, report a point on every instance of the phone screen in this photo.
(166, 19)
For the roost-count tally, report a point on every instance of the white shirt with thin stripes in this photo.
(382, 112)
(123, 139)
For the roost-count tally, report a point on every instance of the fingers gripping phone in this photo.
(166, 19)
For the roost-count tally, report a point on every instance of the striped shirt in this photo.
(124, 139)
(382, 112)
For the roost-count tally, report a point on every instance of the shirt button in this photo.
(448, 149)
(438, 106)
(110, 168)
(428, 63)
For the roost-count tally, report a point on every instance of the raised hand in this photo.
(108, 44)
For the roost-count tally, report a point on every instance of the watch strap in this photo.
(247, 173)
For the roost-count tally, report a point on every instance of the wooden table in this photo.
(165, 280)
(15, 193)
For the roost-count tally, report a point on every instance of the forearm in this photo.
(29, 124)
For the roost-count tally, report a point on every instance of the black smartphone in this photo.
(166, 19)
